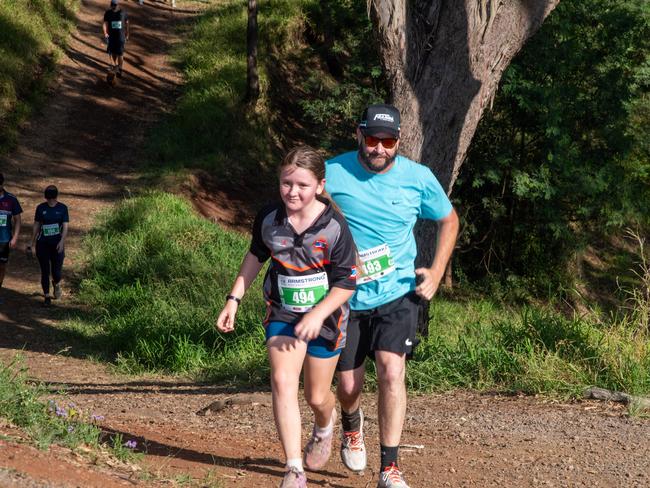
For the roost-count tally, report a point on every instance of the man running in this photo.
(382, 195)
(10, 211)
(116, 33)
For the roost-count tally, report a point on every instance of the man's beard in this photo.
(375, 167)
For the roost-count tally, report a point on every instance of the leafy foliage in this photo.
(31, 34)
(564, 153)
(345, 77)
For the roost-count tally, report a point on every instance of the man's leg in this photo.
(351, 371)
(349, 388)
(391, 374)
(4, 257)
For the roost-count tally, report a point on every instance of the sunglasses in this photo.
(387, 142)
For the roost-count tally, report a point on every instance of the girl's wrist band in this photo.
(233, 297)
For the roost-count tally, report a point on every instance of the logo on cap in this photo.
(384, 117)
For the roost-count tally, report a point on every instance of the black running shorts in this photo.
(4, 252)
(116, 47)
(390, 327)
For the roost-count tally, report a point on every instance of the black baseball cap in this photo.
(380, 118)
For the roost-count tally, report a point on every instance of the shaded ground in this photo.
(86, 142)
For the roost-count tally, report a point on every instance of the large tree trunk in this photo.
(444, 60)
(252, 78)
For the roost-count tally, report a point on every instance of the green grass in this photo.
(156, 280)
(212, 127)
(32, 34)
(157, 276)
(21, 402)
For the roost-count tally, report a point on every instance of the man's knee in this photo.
(350, 384)
(391, 369)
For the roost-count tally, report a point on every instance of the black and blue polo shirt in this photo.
(51, 220)
(305, 266)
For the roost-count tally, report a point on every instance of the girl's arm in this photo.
(250, 268)
(64, 233)
(309, 326)
(36, 228)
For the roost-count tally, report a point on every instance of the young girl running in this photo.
(308, 283)
(48, 238)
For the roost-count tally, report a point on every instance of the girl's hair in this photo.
(308, 158)
(305, 157)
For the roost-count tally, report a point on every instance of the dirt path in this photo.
(86, 142)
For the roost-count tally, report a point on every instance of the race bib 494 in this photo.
(302, 293)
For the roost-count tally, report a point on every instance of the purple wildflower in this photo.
(61, 412)
(131, 444)
(96, 418)
(70, 429)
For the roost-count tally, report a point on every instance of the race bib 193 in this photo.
(375, 263)
(116, 24)
(50, 230)
(3, 220)
(302, 293)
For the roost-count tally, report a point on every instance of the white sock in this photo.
(295, 463)
(323, 431)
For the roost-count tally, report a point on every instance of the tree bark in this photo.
(444, 60)
(252, 77)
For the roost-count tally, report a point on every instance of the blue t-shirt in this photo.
(381, 211)
(51, 220)
(9, 207)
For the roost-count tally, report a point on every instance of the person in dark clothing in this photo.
(116, 33)
(48, 238)
(10, 211)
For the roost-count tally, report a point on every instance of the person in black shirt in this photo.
(116, 33)
(48, 237)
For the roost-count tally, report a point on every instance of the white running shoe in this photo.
(353, 449)
(391, 477)
(57, 290)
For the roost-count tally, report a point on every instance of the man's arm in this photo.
(105, 29)
(447, 234)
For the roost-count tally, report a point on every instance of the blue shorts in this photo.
(317, 348)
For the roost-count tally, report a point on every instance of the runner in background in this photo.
(48, 238)
(116, 33)
(311, 276)
(10, 219)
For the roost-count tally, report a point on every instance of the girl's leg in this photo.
(286, 355)
(57, 266)
(318, 387)
(318, 392)
(43, 256)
